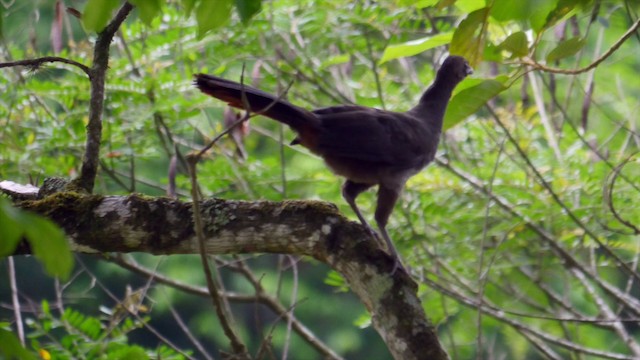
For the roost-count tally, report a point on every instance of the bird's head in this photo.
(455, 67)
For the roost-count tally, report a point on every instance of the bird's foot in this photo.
(397, 264)
(376, 237)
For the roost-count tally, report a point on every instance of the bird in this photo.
(366, 146)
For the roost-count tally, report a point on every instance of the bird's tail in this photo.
(300, 120)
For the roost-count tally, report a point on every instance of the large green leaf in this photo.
(212, 14)
(188, 6)
(535, 12)
(47, 240)
(11, 347)
(415, 47)
(148, 9)
(516, 44)
(468, 39)
(49, 245)
(566, 48)
(97, 13)
(473, 95)
(248, 8)
(10, 230)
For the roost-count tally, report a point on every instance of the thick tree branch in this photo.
(96, 224)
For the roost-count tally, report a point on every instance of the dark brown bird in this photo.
(366, 146)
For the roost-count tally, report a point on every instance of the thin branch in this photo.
(260, 296)
(236, 344)
(521, 327)
(630, 302)
(36, 63)
(90, 160)
(560, 202)
(14, 298)
(144, 323)
(608, 194)
(538, 66)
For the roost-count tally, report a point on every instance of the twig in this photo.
(260, 296)
(482, 275)
(236, 344)
(560, 202)
(133, 313)
(630, 302)
(544, 117)
(35, 63)
(187, 332)
(538, 66)
(519, 326)
(374, 69)
(608, 194)
(14, 298)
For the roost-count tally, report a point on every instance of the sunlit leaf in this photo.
(469, 6)
(505, 10)
(96, 14)
(148, 9)
(468, 39)
(247, 9)
(516, 44)
(539, 12)
(470, 99)
(563, 9)
(212, 14)
(415, 47)
(565, 49)
(335, 60)
(533, 11)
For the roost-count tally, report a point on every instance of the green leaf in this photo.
(97, 13)
(1, 17)
(335, 60)
(134, 352)
(11, 347)
(414, 47)
(49, 245)
(566, 48)
(470, 98)
(539, 12)
(149, 9)
(468, 6)
(212, 14)
(247, 9)
(465, 41)
(10, 230)
(188, 6)
(46, 239)
(506, 10)
(533, 11)
(516, 44)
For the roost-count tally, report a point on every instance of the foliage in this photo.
(517, 236)
(73, 335)
(46, 239)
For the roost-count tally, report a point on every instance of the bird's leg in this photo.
(351, 190)
(387, 198)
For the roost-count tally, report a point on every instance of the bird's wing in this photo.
(371, 135)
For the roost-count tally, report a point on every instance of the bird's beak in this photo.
(468, 70)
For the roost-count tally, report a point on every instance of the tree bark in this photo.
(136, 223)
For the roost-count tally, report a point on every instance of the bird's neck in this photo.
(433, 103)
